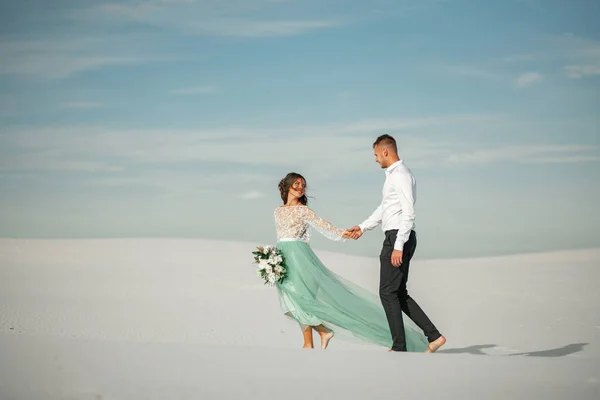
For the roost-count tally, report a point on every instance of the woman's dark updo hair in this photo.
(286, 183)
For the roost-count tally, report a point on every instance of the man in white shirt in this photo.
(396, 213)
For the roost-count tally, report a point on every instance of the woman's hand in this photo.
(353, 233)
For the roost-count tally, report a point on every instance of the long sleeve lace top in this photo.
(293, 222)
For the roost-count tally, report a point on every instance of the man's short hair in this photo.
(386, 141)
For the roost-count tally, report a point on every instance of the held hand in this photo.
(354, 233)
(396, 258)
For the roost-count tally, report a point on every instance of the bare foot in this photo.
(435, 345)
(307, 346)
(325, 338)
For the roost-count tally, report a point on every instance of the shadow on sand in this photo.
(558, 352)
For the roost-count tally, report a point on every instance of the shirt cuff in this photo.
(399, 243)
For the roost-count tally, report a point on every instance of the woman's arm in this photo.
(324, 227)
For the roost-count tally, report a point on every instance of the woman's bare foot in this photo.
(325, 334)
(325, 338)
(435, 345)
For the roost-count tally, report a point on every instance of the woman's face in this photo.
(297, 189)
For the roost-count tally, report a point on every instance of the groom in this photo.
(396, 213)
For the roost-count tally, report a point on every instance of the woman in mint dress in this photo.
(318, 298)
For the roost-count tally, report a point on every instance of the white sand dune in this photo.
(189, 319)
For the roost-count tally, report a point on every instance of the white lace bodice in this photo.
(292, 222)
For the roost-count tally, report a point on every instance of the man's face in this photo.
(381, 154)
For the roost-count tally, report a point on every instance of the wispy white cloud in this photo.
(524, 57)
(159, 161)
(567, 159)
(250, 28)
(322, 151)
(492, 73)
(55, 57)
(527, 154)
(180, 182)
(318, 147)
(472, 71)
(581, 55)
(251, 195)
(54, 66)
(579, 71)
(205, 89)
(60, 57)
(49, 162)
(398, 124)
(528, 79)
(140, 10)
(216, 18)
(577, 56)
(64, 55)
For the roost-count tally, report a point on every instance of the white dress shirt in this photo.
(397, 208)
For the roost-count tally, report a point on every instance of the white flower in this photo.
(270, 264)
(263, 264)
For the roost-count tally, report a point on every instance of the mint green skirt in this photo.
(313, 295)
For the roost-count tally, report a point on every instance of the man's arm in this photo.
(373, 220)
(403, 185)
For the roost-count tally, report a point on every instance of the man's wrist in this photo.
(399, 245)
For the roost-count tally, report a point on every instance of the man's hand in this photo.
(354, 233)
(396, 258)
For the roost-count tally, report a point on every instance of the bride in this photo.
(315, 297)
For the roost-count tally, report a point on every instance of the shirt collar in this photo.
(393, 166)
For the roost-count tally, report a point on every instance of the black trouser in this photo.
(394, 295)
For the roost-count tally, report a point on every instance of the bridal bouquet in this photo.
(271, 265)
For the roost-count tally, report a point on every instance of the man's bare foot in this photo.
(325, 338)
(435, 345)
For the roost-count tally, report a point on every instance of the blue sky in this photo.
(169, 118)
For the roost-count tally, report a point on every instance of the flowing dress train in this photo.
(313, 295)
